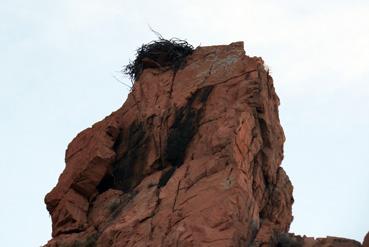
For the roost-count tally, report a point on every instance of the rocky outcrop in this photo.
(291, 240)
(192, 158)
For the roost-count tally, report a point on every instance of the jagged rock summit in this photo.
(192, 158)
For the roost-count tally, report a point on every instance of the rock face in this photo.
(192, 158)
(290, 240)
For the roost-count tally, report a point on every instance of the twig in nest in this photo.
(125, 84)
(161, 53)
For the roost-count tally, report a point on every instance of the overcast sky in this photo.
(58, 60)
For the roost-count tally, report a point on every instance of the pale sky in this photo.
(58, 60)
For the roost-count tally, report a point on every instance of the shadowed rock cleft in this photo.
(106, 183)
(185, 126)
(127, 170)
(166, 176)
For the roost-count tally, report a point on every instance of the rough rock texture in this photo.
(192, 158)
(291, 240)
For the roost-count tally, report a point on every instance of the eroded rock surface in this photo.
(291, 240)
(192, 158)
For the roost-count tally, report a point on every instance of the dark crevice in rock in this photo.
(90, 241)
(176, 196)
(166, 176)
(131, 152)
(106, 183)
(185, 126)
(264, 132)
(118, 141)
(71, 231)
(157, 165)
(131, 146)
(286, 240)
(203, 93)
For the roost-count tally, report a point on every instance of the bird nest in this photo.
(162, 54)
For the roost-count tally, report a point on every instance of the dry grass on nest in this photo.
(162, 54)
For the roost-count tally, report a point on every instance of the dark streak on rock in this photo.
(106, 183)
(185, 126)
(127, 171)
(166, 175)
(131, 146)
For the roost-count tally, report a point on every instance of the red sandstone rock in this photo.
(293, 240)
(191, 159)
